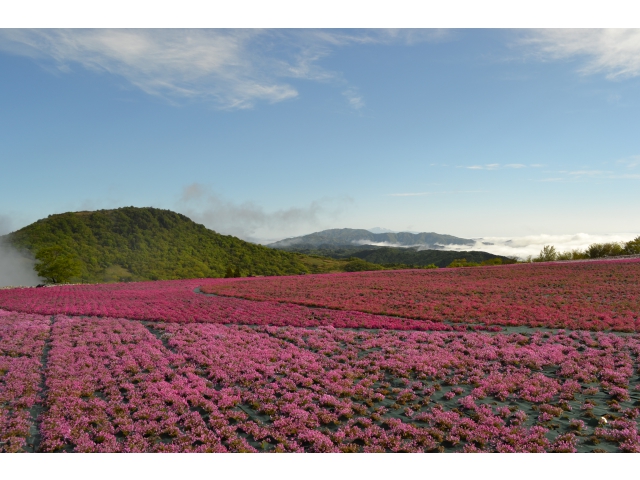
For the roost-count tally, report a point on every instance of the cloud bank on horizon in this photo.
(519, 246)
(526, 245)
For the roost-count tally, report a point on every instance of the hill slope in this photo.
(398, 255)
(343, 237)
(150, 244)
(411, 256)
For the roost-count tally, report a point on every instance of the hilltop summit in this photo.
(133, 243)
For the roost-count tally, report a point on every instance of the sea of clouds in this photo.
(532, 244)
(521, 246)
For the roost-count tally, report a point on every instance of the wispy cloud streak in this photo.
(424, 194)
(250, 221)
(614, 52)
(497, 166)
(233, 69)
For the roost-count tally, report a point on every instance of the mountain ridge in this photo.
(346, 237)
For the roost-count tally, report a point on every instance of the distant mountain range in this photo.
(386, 230)
(385, 248)
(349, 237)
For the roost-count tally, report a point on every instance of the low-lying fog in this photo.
(532, 244)
(15, 268)
(529, 245)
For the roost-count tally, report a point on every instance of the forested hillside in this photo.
(389, 256)
(440, 258)
(149, 244)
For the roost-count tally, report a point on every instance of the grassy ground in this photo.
(318, 264)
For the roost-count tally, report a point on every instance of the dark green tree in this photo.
(462, 262)
(358, 265)
(547, 254)
(599, 250)
(236, 273)
(632, 247)
(57, 266)
(492, 261)
(229, 273)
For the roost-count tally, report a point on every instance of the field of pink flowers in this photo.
(116, 385)
(176, 301)
(592, 295)
(22, 343)
(157, 367)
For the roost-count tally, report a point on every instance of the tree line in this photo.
(595, 250)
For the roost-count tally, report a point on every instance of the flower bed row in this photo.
(113, 387)
(175, 301)
(118, 385)
(596, 295)
(22, 340)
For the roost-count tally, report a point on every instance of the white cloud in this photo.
(354, 98)
(495, 166)
(587, 173)
(423, 194)
(175, 64)
(532, 244)
(614, 52)
(630, 162)
(250, 221)
(378, 244)
(626, 175)
(489, 166)
(232, 68)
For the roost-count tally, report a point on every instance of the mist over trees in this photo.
(16, 267)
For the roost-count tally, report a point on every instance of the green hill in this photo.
(389, 256)
(150, 244)
(410, 256)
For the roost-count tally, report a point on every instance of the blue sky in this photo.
(266, 134)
